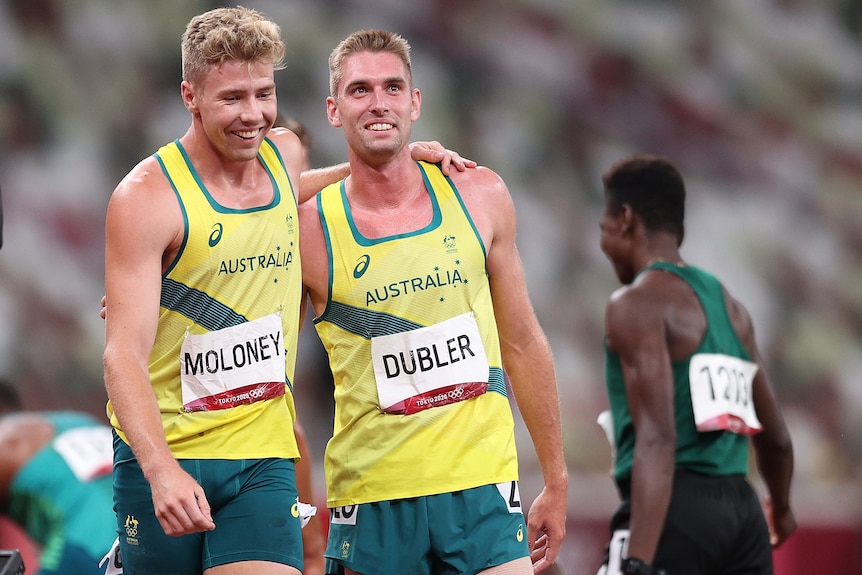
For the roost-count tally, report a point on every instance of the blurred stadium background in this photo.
(759, 103)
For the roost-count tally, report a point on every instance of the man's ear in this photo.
(189, 97)
(332, 112)
(416, 98)
(627, 219)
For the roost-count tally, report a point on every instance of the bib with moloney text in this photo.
(233, 366)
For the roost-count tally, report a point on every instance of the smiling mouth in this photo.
(380, 127)
(247, 134)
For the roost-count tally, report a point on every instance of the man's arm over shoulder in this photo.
(773, 447)
(305, 183)
(315, 179)
(526, 353)
(314, 255)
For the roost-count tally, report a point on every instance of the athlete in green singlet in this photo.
(55, 483)
(688, 392)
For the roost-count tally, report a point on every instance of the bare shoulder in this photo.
(623, 301)
(289, 146)
(740, 318)
(145, 182)
(636, 309)
(480, 182)
(144, 210)
(489, 204)
(282, 134)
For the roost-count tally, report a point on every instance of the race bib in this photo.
(345, 515)
(511, 494)
(430, 366)
(88, 451)
(721, 393)
(233, 366)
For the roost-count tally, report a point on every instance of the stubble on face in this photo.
(376, 104)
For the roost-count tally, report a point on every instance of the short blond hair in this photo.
(240, 34)
(367, 41)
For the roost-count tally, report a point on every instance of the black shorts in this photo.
(714, 525)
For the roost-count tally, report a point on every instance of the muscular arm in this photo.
(635, 328)
(772, 446)
(526, 356)
(314, 180)
(143, 222)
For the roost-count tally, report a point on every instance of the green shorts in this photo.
(253, 505)
(460, 532)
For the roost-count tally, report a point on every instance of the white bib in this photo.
(233, 366)
(430, 366)
(721, 393)
(88, 451)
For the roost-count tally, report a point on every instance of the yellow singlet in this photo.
(408, 314)
(225, 350)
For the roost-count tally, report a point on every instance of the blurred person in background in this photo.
(204, 289)
(55, 483)
(422, 469)
(687, 389)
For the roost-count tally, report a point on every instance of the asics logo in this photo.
(215, 234)
(361, 266)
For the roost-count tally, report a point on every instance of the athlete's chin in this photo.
(382, 150)
(245, 154)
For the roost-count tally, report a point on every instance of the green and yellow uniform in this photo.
(423, 448)
(221, 369)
